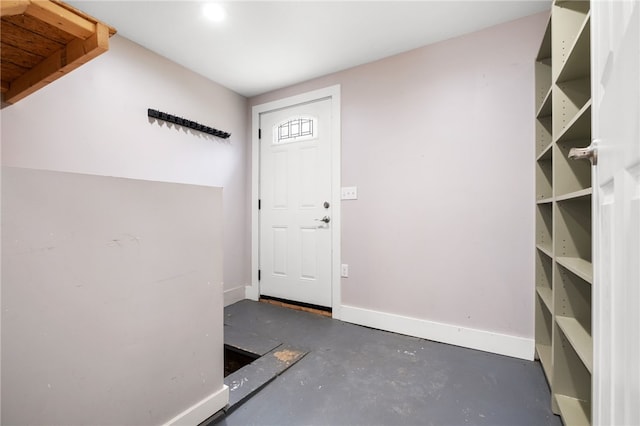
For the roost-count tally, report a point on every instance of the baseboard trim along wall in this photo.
(502, 344)
(234, 295)
(252, 293)
(202, 410)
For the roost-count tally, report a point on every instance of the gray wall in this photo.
(94, 121)
(439, 141)
(111, 298)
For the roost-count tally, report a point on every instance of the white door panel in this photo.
(616, 212)
(295, 182)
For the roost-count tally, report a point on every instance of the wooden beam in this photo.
(73, 55)
(13, 7)
(78, 12)
(79, 52)
(29, 23)
(34, 79)
(19, 57)
(61, 18)
(4, 86)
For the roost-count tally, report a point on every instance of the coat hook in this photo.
(154, 113)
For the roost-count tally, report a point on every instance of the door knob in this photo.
(325, 219)
(588, 153)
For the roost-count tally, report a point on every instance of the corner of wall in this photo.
(252, 292)
(203, 409)
(234, 295)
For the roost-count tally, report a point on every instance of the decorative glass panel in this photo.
(295, 130)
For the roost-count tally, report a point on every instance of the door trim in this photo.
(333, 93)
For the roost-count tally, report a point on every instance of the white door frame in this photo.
(333, 93)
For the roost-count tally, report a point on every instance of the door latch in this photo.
(325, 219)
(589, 153)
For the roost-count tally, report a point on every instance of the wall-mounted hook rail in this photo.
(153, 113)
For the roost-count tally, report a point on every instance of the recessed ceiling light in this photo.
(214, 12)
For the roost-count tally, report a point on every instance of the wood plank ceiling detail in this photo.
(42, 40)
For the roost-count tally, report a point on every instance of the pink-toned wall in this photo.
(94, 121)
(439, 142)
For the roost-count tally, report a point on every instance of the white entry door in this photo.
(616, 211)
(295, 203)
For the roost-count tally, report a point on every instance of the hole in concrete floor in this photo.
(235, 359)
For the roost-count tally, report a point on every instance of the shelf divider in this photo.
(574, 129)
(576, 194)
(546, 153)
(544, 353)
(546, 294)
(574, 67)
(545, 107)
(580, 267)
(545, 200)
(579, 338)
(546, 249)
(573, 411)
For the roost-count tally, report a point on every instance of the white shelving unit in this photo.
(564, 270)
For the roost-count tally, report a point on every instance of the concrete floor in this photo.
(354, 375)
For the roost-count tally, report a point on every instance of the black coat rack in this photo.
(159, 115)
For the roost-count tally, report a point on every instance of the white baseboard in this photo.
(204, 409)
(502, 344)
(252, 292)
(234, 295)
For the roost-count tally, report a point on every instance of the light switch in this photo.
(349, 193)
(344, 270)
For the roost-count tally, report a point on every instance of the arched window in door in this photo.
(295, 129)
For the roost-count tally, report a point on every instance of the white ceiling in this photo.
(266, 45)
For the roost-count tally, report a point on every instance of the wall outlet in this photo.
(349, 193)
(344, 270)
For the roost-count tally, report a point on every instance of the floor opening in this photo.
(235, 359)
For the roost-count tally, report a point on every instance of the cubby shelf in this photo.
(544, 327)
(563, 255)
(546, 153)
(575, 195)
(546, 249)
(544, 225)
(572, 219)
(573, 411)
(580, 267)
(579, 338)
(572, 178)
(544, 110)
(544, 178)
(546, 295)
(544, 353)
(545, 46)
(543, 75)
(571, 381)
(567, 22)
(577, 63)
(571, 99)
(543, 134)
(578, 128)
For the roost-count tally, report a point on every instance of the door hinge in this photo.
(259, 204)
(258, 274)
(259, 133)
